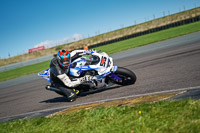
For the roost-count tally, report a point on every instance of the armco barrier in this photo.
(175, 24)
(25, 63)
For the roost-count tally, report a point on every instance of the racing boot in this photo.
(73, 95)
(69, 93)
(76, 91)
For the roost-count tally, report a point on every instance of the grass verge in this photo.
(112, 48)
(10, 74)
(164, 116)
(150, 38)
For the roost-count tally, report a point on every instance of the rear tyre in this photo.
(128, 77)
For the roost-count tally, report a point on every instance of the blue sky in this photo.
(25, 24)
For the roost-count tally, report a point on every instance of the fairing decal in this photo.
(45, 74)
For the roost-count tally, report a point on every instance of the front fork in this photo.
(113, 76)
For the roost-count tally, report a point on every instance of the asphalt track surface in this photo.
(162, 66)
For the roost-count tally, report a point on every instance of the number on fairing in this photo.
(104, 63)
(109, 62)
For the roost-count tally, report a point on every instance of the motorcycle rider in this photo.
(59, 70)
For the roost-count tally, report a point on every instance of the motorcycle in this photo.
(98, 65)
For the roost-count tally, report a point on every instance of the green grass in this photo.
(24, 70)
(150, 38)
(166, 116)
(112, 48)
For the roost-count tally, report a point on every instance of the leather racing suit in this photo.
(59, 76)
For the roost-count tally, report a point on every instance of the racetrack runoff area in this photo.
(132, 109)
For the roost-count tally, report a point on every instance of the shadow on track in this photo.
(97, 91)
(82, 94)
(55, 100)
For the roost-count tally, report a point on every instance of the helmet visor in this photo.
(65, 61)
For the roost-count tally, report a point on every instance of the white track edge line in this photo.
(106, 100)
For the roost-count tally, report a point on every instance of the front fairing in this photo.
(102, 63)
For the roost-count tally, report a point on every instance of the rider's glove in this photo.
(86, 78)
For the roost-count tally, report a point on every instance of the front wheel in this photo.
(128, 77)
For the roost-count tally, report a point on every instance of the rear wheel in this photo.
(128, 77)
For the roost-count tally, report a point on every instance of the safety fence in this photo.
(152, 30)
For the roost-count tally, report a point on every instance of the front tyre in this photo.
(128, 77)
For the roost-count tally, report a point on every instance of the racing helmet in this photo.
(63, 58)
